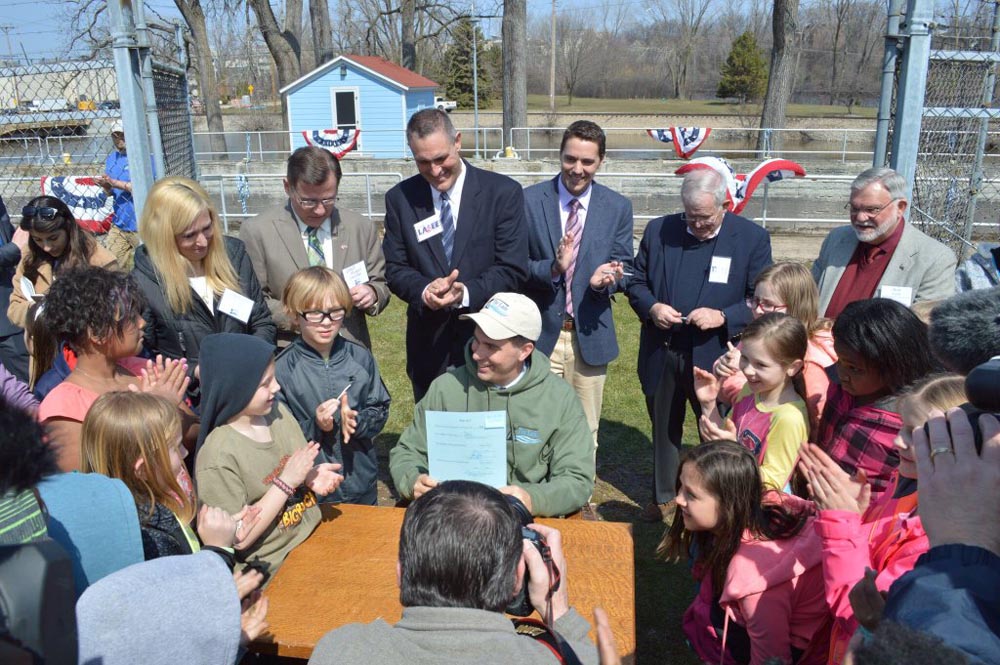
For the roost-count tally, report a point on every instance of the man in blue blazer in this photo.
(577, 261)
(454, 236)
(693, 274)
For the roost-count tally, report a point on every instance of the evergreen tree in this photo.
(744, 75)
(458, 66)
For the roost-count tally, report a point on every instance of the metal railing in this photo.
(264, 146)
(236, 188)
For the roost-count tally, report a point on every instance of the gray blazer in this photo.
(607, 236)
(275, 247)
(919, 262)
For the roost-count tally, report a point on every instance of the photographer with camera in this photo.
(953, 592)
(550, 447)
(462, 558)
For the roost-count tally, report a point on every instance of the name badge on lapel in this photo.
(718, 272)
(427, 228)
(235, 305)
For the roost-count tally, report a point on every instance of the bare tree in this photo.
(784, 23)
(322, 33)
(515, 47)
(283, 45)
(683, 20)
(408, 34)
(577, 50)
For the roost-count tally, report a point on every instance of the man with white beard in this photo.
(880, 254)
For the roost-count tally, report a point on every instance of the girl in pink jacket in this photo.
(886, 536)
(756, 557)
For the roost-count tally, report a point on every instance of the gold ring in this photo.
(943, 449)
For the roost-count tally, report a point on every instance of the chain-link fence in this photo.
(55, 119)
(956, 191)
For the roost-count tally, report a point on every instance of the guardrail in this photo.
(264, 146)
(238, 185)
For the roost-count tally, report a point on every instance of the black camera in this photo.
(982, 388)
(521, 606)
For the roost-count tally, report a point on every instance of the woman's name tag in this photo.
(235, 305)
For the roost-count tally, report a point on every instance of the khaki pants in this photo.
(122, 244)
(587, 380)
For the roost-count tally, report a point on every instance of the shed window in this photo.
(346, 113)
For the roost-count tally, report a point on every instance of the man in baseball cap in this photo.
(550, 449)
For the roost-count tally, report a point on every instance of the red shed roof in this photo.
(390, 72)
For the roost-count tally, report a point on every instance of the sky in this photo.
(41, 34)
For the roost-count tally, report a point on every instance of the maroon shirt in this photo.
(863, 272)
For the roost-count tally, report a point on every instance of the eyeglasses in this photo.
(870, 211)
(698, 219)
(310, 204)
(46, 213)
(319, 316)
(754, 303)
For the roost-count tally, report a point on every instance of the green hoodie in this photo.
(550, 449)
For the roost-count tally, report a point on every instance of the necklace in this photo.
(99, 379)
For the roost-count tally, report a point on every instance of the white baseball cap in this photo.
(507, 315)
(117, 127)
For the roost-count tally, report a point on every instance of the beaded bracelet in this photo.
(283, 486)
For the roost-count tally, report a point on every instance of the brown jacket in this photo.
(17, 312)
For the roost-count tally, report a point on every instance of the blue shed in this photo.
(358, 91)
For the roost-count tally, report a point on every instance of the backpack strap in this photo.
(544, 635)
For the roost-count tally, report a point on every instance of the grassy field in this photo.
(624, 469)
(686, 107)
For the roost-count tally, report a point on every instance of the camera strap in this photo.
(541, 633)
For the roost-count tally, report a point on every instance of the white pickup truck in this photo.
(445, 105)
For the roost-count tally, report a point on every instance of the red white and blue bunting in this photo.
(686, 140)
(740, 187)
(338, 141)
(91, 206)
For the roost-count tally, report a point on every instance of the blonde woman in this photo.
(196, 280)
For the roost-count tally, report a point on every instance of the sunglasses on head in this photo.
(45, 212)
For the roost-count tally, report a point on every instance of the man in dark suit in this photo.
(579, 247)
(13, 354)
(454, 236)
(693, 274)
(309, 229)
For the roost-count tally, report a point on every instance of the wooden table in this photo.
(346, 573)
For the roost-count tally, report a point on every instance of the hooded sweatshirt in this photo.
(176, 609)
(888, 538)
(773, 589)
(550, 448)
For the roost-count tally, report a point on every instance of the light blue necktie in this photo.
(447, 227)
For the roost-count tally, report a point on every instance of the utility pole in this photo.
(475, 77)
(10, 52)
(552, 61)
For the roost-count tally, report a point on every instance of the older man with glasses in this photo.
(879, 254)
(693, 274)
(309, 229)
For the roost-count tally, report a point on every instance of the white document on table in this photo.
(467, 446)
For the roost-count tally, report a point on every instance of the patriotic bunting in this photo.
(686, 140)
(338, 141)
(740, 187)
(91, 206)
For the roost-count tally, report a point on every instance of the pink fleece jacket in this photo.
(773, 589)
(819, 356)
(888, 538)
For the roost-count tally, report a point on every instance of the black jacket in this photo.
(179, 335)
(10, 256)
(307, 380)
